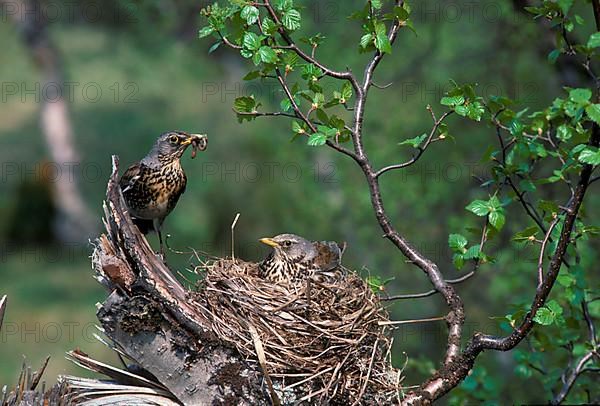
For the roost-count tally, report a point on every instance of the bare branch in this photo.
(2, 309)
(227, 42)
(381, 87)
(529, 209)
(413, 321)
(569, 377)
(430, 292)
(590, 323)
(420, 149)
(264, 114)
(543, 249)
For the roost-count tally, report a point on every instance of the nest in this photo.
(324, 338)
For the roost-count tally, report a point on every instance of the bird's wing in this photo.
(130, 177)
(329, 255)
(184, 184)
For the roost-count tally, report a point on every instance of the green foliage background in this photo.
(312, 192)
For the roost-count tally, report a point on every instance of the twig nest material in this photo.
(323, 335)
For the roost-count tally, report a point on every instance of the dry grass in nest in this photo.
(322, 336)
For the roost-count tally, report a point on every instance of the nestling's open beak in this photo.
(269, 242)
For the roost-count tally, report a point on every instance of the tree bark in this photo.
(149, 317)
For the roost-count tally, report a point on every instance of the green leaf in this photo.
(252, 75)
(400, 13)
(462, 110)
(479, 207)
(544, 316)
(366, 40)
(245, 104)
(594, 40)
(329, 132)
(497, 219)
(317, 139)
(214, 47)
(475, 110)
(267, 55)
(251, 41)
(526, 234)
(565, 5)
(284, 5)
(376, 4)
(458, 260)
(553, 56)
(291, 19)
(314, 41)
(285, 104)
(494, 202)
(311, 72)
(452, 101)
(523, 371)
(205, 31)
(593, 112)
(246, 53)
(322, 116)
(472, 253)
(269, 27)
(414, 142)
(566, 280)
(346, 92)
(564, 132)
(376, 283)
(382, 42)
(527, 186)
(457, 242)
(580, 96)
(554, 307)
(590, 155)
(296, 127)
(250, 14)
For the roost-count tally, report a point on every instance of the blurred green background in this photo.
(154, 75)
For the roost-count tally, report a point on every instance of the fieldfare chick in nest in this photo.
(295, 259)
(152, 186)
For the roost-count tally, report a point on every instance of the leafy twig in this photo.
(420, 149)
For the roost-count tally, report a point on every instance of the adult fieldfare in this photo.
(294, 259)
(152, 186)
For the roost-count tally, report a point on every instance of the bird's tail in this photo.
(145, 226)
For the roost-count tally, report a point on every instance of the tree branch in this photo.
(264, 114)
(448, 377)
(420, 149)
(306, 120)
(569, 379)
(292, 46)
(2, 310)
(589, 322)
(543, 249)
(430, 292)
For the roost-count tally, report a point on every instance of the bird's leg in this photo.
(157, 224)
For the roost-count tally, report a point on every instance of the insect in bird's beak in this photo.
(199, 143)
(269, 242)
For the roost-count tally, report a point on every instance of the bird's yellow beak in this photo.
(269, 242)
(187, 141)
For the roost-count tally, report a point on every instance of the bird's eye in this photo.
(174, 139)
(287, 243)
